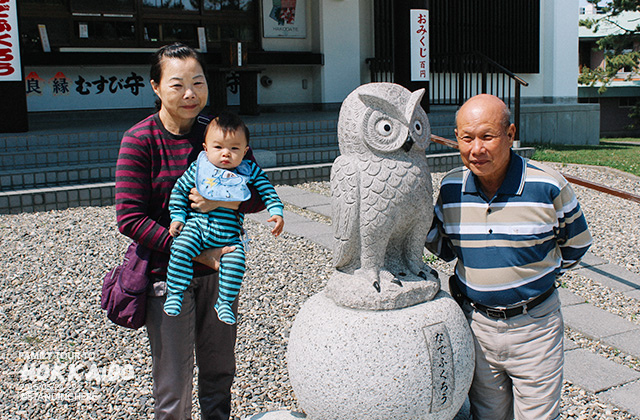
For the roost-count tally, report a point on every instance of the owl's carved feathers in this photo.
(346, 203)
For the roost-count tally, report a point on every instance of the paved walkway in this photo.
(618, 384)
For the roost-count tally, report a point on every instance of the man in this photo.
(514, 226)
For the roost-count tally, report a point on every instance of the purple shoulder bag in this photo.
(124, 289)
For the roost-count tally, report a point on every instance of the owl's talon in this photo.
(376, 285)
(398, 282)
(434, 272)
(422, 274)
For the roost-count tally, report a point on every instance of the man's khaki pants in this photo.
(519, 362)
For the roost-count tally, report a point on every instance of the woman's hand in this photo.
(211, 257)
(202, 205)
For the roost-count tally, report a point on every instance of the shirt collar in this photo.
(513, 183)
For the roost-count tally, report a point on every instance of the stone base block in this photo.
(354, 291)
(405, 364)
(277, 415)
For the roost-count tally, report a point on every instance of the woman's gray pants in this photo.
(172, 342)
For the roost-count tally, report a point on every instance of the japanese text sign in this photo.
(9, 42)
(62, 88)
(419, 27)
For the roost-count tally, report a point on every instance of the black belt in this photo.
(504, 313)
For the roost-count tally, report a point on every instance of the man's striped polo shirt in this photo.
(510, 248)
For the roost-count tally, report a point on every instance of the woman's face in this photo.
(183, 91)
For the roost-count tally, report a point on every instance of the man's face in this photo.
(483, 139)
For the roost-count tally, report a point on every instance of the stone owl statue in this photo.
(382, 200)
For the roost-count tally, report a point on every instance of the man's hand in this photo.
(211, 257)
(202, 205)
(175, 228)
(277, 229)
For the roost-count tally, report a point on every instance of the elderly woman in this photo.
(153, 155)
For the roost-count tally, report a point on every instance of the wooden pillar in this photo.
(13, 107)
(249, 91)
(217, 90)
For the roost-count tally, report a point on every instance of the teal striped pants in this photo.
(196, 236)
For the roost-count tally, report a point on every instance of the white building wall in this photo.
(290, 84)
(557, 81)
(367, 47)
(553, 114)
(339, 41)
(340, 30)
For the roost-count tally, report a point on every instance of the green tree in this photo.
(620, 50)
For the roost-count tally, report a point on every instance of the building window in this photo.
(628, 102)
(593, 100)
(137, 23)
(506, 31)
(43, 2)
(217, 33)
(170, 32)
(121, 6)
(242, 5)
(173, 5)
(104, 32)
(57, 33)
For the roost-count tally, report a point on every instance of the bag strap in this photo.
(137, 258)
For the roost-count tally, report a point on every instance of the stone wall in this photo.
(558, 123)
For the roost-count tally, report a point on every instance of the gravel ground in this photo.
(61, 358)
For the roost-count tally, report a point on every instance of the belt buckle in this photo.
(496, 313)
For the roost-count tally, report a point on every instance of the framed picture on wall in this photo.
(284, 18)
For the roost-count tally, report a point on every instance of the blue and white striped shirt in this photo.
(510, 248)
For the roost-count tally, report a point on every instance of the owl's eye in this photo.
(384, 127)
(417, 125)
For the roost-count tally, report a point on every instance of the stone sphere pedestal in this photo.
(411, 363)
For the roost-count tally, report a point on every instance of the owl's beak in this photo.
(408, 144)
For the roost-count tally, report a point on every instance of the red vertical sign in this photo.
(9, 42)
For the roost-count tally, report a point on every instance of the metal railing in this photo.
(454, 78)
(457, 77)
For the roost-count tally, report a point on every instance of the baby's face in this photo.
(225, 152)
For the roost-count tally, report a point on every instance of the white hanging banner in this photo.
(9, 42)
(419, 27)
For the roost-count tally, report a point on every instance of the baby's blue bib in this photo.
(218, 184)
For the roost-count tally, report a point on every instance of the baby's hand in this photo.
(175, 228)
(277, 229)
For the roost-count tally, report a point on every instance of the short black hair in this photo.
(230, 122)
(175, 50)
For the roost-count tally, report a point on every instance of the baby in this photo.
(220, 173)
